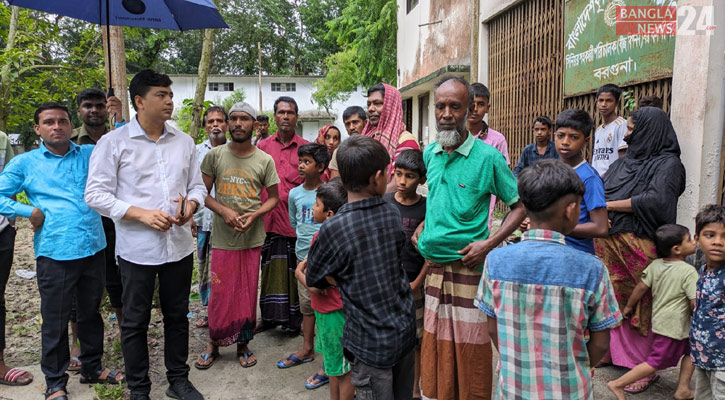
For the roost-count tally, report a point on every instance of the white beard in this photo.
(448, 138)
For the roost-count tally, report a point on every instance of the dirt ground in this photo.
(225, 380)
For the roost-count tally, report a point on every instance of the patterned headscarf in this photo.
(321, 136)
(391, 124)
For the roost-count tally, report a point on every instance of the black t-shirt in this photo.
(411, 217)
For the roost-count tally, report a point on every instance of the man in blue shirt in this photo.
(69, 246)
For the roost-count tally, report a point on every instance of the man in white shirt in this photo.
(145, 176)
(609, 137)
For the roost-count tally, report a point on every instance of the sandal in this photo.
(246, 359)
(202, 322)
(11, 377)
(104, 376)
(647, 381)
(50, 392)
(205, 358)
(295, 361)
(74, 365)
(321, 381)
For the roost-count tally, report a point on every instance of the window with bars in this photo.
(284, 86)
(411, 5)
(221, 86)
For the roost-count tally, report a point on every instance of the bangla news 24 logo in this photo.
(664, 20)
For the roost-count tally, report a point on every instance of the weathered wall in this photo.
(423, 50)
(698, 112)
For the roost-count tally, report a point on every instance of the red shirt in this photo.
(326, 303)
(287, 163)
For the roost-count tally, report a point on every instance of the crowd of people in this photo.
(404, 295)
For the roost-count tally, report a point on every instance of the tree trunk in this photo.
(118, 81)
(5, 71)
(204, 66)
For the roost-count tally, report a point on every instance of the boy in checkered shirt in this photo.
(540, 295)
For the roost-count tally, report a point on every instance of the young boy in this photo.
(542, 148)
(609, 137)
(361, 249)
(673, 283)
(408, 174)
(541, 295)
(708, 326)
(313, 160)
(328, 306)
(478, 128)
(573, 128)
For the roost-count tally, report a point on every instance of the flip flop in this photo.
(206, 357)
(11, 377)
(649, 382)
(110, 377)
(202, 322)
(246, 359)
(76, 367)
(321, 381)
(295, 361)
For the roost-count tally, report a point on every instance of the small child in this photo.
(360, 248)
(313, 160)
(573, 128)
(327, 304)
(408, 174)
(542, 148)
(673, 283)
(707, 333)
(540, 295)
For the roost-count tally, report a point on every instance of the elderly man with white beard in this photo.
(463, 173)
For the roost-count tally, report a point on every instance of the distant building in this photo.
(311, 116)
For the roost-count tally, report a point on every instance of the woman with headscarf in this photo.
(641, 190)
(385, 124)
(330, 137)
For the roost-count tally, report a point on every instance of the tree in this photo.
(366, 32)
(204, 65)
(44, 59)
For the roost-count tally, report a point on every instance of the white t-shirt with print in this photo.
(608, 139)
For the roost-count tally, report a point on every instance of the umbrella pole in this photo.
(108, 39)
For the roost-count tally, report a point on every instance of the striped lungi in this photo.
(456, 355)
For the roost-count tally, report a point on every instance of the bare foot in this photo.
(684, 394)
(618, 391)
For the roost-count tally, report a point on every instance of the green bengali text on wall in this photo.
(595, 54)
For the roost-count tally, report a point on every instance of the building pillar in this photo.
(698, 112)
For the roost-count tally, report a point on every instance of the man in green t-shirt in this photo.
(238, 171)
(463, 174)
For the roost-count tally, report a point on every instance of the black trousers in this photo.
(114, 286)
(7, 245)
(138, 290)
(113, 276)
(58, 282)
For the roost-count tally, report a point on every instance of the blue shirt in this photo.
(530, 155)
(707, 329)
(592, 199)
(301, 201)
(56, 185)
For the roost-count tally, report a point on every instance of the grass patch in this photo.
(106, 391)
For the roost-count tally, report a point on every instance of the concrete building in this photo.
(300, 88)
(517, 49)
(434, 38)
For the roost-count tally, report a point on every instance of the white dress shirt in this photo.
(129, 169)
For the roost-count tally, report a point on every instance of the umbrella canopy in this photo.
(160, 14)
